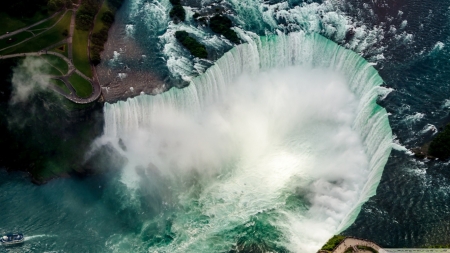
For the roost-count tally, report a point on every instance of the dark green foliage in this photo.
(39, 131)
(65, 33)
(175, 2)
(85, 15)
(196, 49)
(54, 5)
(108, 18)
(22, 8)
(196, 15)
(98, 40)
(221, 25)
(178, 12)
(440, 146)
(333, 242)
(115, 4)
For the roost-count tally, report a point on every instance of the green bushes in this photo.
(54, 5)
(108, 17)
(177, 13)
(440, 146)
(196, 49)
(22, 8)
(333, 242)
(221, 25)
(84, 19)
(99, 38)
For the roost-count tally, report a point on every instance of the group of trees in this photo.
(98, 39)
(84, 18)
(440, 146)
(22, 8)
(196, 49)
(54, 5)
(222, 25)
(177, 13)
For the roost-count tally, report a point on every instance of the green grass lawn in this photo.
(57, 62)
(11, 41)
(9, 24)
(50, 37)
(98, 25)
(80, 52)
(61, 85)
(46, 69)
(48, 23)
(62, 50)
(82, 86)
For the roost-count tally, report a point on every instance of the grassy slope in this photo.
(98, 25)
(47, 23)
(80, 52)
(50, 37)
(65, 53)
(82, 86)
(57, 62)
(61, 85)
(11, 24)
(15, 39)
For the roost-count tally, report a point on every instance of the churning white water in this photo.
(285, 129)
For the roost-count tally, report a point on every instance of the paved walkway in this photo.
(353, 243)
(96, 89)
(28, 27)
(34, 35)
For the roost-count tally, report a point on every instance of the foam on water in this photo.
(283, 132)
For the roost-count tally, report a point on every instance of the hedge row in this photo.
(98, 39)
(222, 25)
(196, 49)
(84, 18)
(177, 13)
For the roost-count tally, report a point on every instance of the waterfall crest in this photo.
(369, 122)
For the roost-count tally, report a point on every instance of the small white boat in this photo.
(11, 239)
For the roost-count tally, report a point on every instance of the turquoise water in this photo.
(220, 165)
(261, 153)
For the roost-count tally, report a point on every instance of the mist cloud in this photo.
(28, 78)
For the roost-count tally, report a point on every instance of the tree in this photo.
(54, 5)
(178, 12)
(108, 17)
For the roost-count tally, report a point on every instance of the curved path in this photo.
(351, 242)
(96, 90)
(28, 27)
(34, 35)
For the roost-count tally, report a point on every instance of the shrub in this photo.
(196, 49)
(333, 242)
(84, 18)
(221, 25)
(178, 12)
(108, 17)
(440, 146)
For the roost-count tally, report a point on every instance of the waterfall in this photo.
(272, 167)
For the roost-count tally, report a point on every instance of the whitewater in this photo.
(275, 148)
